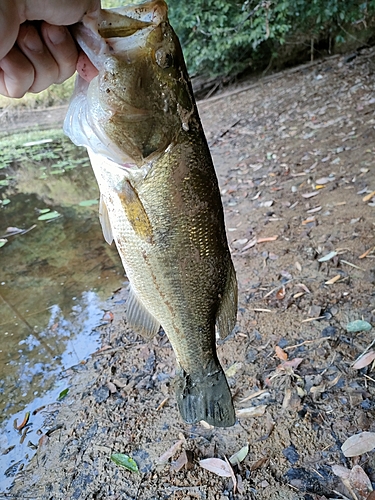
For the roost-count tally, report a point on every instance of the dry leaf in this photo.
(163, 459)
(341, 471)
(368, 196)
(217, 466)
(292, 363)
(364, 360)
(253, 411)
(280, 353)
(232, 370)
(264, 240)
(360, 482)
(185, 459)
(310, 195)
(240, 455)
(333, 280)
(358, 444)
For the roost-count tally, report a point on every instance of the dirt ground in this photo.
(295, 161)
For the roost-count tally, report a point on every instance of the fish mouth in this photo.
(118, 31)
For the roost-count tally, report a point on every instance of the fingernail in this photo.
(57, 34)
(32, 40)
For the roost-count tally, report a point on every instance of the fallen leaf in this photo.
(163, 459)
(184, 460)
(49, 215)
(3, 241)
(341, 471)
(364, 360)
(368, 196)
(365, 254)
(310, 195)
(232, 370)
(308, 221)
(358, 326)
(217, 466)
(253, 411)
(292, 363)
(358, 444)
(63, 394)
(23, 423)
(264, 240)
(124, 461)
(360, 482)
(240, 455)
(327, 257)
(87, 203)
(280, 353)
(333, 280)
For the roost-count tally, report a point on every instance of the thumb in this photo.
(9, 26)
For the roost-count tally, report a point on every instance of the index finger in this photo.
(9, 26)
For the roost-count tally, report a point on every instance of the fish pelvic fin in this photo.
(205, 397)
(227, 313)
(139, 319)
(104, 221)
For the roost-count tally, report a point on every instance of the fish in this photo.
(159, 195)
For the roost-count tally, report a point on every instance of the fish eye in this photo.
(163, 59)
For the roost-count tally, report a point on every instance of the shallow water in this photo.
(54, 280)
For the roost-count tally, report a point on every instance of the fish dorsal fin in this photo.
(104, 221)
(227, 314)
(139, 319)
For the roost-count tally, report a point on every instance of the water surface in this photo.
(54, 279)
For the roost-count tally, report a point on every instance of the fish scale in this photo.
(160, 200)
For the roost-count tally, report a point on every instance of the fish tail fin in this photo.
(205, 397)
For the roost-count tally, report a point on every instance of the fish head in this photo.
(141, 99)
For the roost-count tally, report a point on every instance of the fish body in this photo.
(160, 200)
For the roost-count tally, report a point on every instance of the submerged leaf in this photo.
(49, 215)
(63, 394)
(124, 461)
(87, 203)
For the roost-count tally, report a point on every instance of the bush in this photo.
(226, 36)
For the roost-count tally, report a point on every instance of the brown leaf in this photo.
(358, 444)
(360, 482)
(264, 240)
(364, 360)
(368, 196)
(280, 353)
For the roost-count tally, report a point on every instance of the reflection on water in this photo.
(53, 281)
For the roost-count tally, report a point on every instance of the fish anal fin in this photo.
(227, 314)
(139, 319)
(104, 221)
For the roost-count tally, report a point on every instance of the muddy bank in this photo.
(295, 161)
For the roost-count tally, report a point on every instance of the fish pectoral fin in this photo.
(139, 319)
(104, 221)
(227, 314)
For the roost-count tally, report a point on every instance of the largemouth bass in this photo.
(160, 200)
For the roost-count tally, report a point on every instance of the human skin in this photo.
(36, 47)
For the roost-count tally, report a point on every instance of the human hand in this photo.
(36, 48)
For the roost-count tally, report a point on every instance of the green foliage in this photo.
(226, 36)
